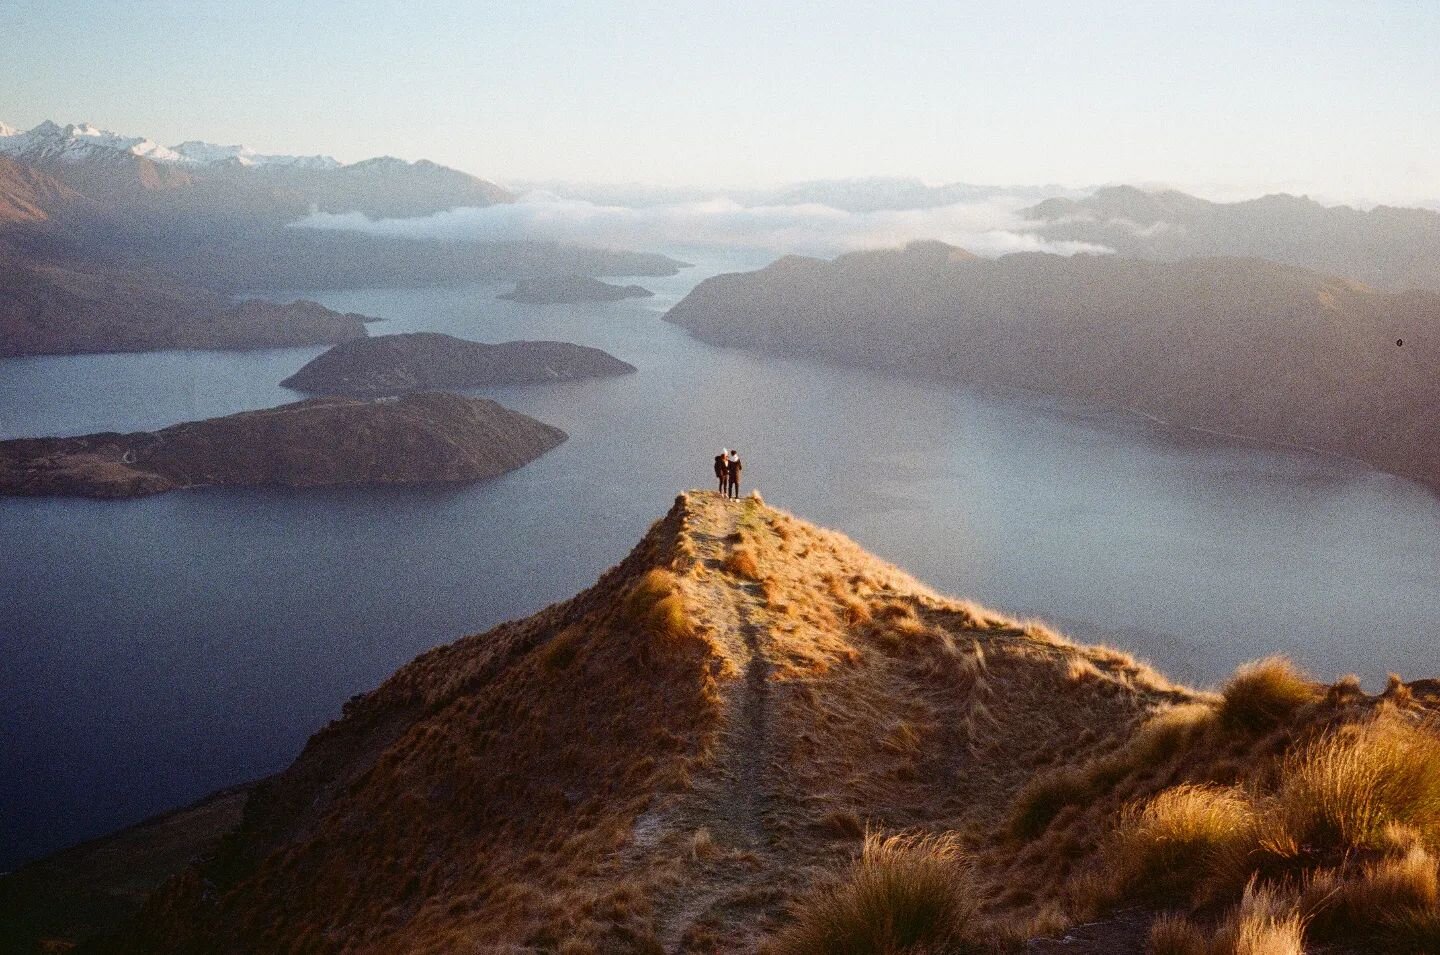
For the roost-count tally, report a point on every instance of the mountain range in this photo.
(115, 243)
(1243, 346)
(1387, 246)
(106, 165)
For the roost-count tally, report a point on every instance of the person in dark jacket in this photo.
(732, 473)
(722, 469)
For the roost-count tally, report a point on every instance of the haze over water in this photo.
(158, 649)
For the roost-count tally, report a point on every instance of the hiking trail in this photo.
(732, 800)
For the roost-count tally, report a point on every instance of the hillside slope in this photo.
(29, 195)
(665, 761)
(1242, 346)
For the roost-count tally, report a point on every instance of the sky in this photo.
(1337, 100)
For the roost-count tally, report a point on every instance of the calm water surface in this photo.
(154, 650)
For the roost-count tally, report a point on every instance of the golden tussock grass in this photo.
(741, 563)
(1397, 692)
(1163, 737)
(1264, 694)
(1394, 900)
(1174, 934)
(1266, 922)
(657, 604)
(1339, 841)
(702, 844)
(1348, 789)
(1169, 846)
(905, 894)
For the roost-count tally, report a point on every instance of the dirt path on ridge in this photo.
(731, 801)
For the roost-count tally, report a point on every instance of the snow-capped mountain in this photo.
(50, 142)
(108, 166)
(209, 154)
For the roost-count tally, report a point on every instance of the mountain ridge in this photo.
(110, 166)
(1240, 346)
(795, 688)
(1392, 247)
(750, 735)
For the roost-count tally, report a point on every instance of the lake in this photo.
(155, 650)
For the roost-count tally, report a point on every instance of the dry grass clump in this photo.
(1264, 694)
(657, 604)
(741, 563)
(1181, 838)
(1395, 900)
(1266, 922)
(1161, 738)
(1341, 845)
(1174, 934)
(905, 894)
(1044, 797)
(1348, 789)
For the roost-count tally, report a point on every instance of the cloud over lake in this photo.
(990, 227)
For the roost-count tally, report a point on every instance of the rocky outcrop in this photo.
(418, 439)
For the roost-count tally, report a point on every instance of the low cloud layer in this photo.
(992, 227)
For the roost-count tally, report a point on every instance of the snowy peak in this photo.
(101, 164)
(200, 153)
(85, 142)
(51, 142)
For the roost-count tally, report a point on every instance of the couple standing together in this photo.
(727, 470)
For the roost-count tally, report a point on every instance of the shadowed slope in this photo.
(663, 762)
(29, 195)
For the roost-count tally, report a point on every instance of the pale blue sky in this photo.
(1338, 99)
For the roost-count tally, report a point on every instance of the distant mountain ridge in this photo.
(111, 166)
(79, 142)
(1237, 345)
(54, 309)
(859, 194)
(1387, 246)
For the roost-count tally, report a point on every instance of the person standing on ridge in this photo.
(722, 468)
(732, 473)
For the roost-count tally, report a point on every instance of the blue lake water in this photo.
(154, 650)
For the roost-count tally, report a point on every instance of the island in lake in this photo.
(417, 361)
(567, 289)
(417, 439)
